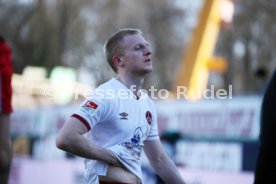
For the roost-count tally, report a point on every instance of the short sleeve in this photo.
(153, 133)
(91, 111)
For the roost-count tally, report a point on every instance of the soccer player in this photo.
(119, 120)
(6, 71)
(266, 161)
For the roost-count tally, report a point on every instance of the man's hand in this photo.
(113, 160)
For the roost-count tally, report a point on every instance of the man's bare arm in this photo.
(71, 139)
(160, 162)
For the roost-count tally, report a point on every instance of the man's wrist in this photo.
(112, 159)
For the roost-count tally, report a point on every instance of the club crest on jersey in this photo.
(90, 106)
(123, 115)
(149, 117)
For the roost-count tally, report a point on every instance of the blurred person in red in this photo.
(266, 162)
(6, 70)
(119, 120)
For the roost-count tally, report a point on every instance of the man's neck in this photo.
(132, 82)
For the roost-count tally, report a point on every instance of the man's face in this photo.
(136, 54)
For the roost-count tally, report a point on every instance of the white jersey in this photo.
(120, 122)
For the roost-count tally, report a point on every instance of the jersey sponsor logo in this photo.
(135, 143)
(149, 117)
(137, 136)
(123, 115)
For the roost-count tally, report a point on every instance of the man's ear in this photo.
(118, 61)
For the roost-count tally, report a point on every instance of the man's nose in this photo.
(148, 51)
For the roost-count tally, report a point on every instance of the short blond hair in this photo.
(113, 45)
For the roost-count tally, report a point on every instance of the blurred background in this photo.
(203, 45)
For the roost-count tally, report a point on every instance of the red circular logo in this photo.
(149, 117)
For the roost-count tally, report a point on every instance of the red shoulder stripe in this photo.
(82, 120)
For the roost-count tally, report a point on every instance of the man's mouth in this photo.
(147, 60)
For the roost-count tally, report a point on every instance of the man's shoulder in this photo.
(106, 92)
(106, 85)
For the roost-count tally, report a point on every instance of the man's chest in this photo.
(131, 119)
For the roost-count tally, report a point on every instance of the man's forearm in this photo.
(166, 169)
(80, 146)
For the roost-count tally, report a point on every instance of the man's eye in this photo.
(138, 47)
